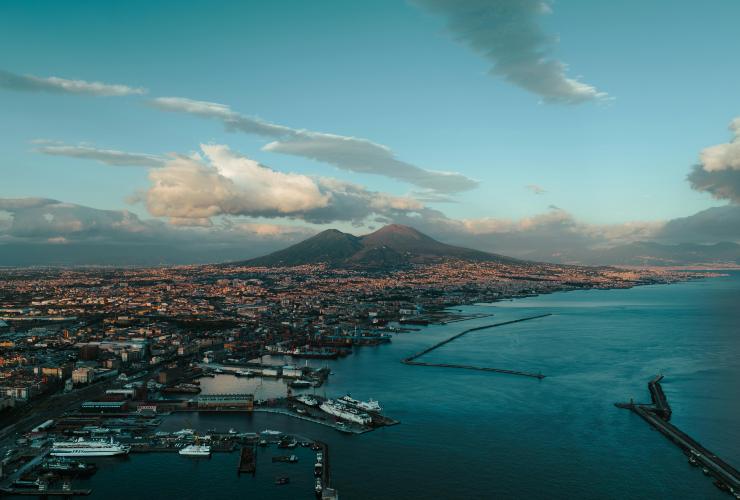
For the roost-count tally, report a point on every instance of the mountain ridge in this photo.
(393, 245)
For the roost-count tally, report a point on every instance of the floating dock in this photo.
(657, 415)
(411, 359)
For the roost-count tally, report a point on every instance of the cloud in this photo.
(85, 235)
(718, 172)
(553, 236)
(195, 189)
(107, 156)
(535, 188)
(713, 225)
(30, 83)
(347, 153)
(508, 34)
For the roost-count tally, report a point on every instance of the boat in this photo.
(282, 480)
(244, 373)
(88, 448)
(313, 353)
(319, 487)
(307, 400)
(285, 458)
(370, 405)
(68, 466)
(345, 412)
(196, 450)
(300, 383)
(318, 468)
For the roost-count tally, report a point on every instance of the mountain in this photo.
(645, 253)
(390, 246)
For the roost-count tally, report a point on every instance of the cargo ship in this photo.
(345, 412)
(88, 448)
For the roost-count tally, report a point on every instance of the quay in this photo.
(247, 463)
(657, 414)
(411, 360)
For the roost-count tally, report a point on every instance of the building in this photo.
(104, 406)
(226, 401)
(83, 375)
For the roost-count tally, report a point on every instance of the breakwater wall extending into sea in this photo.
(411, 360)
(657, 414)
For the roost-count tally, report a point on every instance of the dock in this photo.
(247, 463)
(411, 360)
(657, 414)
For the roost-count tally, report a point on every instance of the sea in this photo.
(468, 435)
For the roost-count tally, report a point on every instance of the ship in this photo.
(313, 353)
(307, 400)
(345, 412)
(196, 450)
(88, 448)
(370, 405)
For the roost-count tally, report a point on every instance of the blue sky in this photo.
(388, 71)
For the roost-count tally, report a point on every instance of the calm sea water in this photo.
(468, 434)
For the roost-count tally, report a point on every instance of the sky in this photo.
(258, 123)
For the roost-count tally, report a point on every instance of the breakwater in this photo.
(411, 360)
(657, 414)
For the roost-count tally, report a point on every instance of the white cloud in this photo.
(718, 172)
(507, 33)
(347, 153)
(724, 156)
(536, 189)
(107, 156)
(191, 190)
(30, 83)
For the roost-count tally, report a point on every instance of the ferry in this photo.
(344, 412)
(196, 450)
(88, 448)
(370, 405)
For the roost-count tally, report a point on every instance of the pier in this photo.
(411, 360)
(247, 463)
(657, 414)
